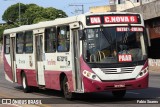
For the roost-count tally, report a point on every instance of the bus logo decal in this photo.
(61, 58)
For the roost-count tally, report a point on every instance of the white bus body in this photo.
(33, 55)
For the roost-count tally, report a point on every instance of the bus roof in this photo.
(58, 21)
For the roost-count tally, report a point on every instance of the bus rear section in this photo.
(102, 52)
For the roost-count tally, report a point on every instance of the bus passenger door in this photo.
(76, 58)
(39, 58)
(13, 55)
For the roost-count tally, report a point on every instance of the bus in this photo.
(91, 52)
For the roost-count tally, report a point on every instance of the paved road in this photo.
(103, 99)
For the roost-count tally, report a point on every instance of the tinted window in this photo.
(50, 40)
(63, 39)
(20, 43)
(6, 44)
(29, 42)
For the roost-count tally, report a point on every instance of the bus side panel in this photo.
(70, 80)
(30, 74)
(19, 78)
(7, 66)
(88, 85)
(52, 79)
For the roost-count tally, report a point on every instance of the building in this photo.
(115, 5)
(2, 24)
(119, 5)
(115, 2)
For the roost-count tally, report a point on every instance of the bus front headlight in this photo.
(90, 75)
(143, 72)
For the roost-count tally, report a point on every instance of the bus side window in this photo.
(50, 39)
(20, 43)
(29, 42)
(6, 44)
(63, 41)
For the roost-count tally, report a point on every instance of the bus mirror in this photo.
(81, 34)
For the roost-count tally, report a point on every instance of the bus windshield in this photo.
(114, 45)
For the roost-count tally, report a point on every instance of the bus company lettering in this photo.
(95, 20)
(61, 58)
(125, 58)
(51, 62)
(30, 61)
(120, 19)
(21, 61)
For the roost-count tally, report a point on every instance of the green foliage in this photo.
(1, 34)
(30, 14)
(2, 28)
(12, 13)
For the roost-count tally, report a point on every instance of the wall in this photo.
(113, 8)
(97, 9)
(127, 5)
(148, 10)
(154, 65)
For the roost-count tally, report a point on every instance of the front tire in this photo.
(119, 93)
(67, 93)
(25, 86)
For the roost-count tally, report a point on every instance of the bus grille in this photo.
(118, 70)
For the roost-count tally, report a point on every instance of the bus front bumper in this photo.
(97, 86)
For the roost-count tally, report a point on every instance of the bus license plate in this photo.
(119, 85)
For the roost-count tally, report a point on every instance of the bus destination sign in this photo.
(120, 19)
(132, 29)
(113, 19)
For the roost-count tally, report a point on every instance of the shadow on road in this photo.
(99, 97)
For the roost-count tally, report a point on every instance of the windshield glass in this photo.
(114, 45)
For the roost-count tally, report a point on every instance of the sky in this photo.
(58, 4)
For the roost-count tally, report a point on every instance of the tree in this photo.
(30, 14)
(1, 34)
(12, 13)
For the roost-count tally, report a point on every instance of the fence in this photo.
(154, 65)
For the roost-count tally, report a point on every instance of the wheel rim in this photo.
(24, 82)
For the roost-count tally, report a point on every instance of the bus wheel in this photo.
(25, 86)
(67, 94)
(119, 93)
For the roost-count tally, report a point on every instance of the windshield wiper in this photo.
(126, 34)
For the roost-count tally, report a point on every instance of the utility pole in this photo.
(82, 6)
(19, 10)
(19, 13)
